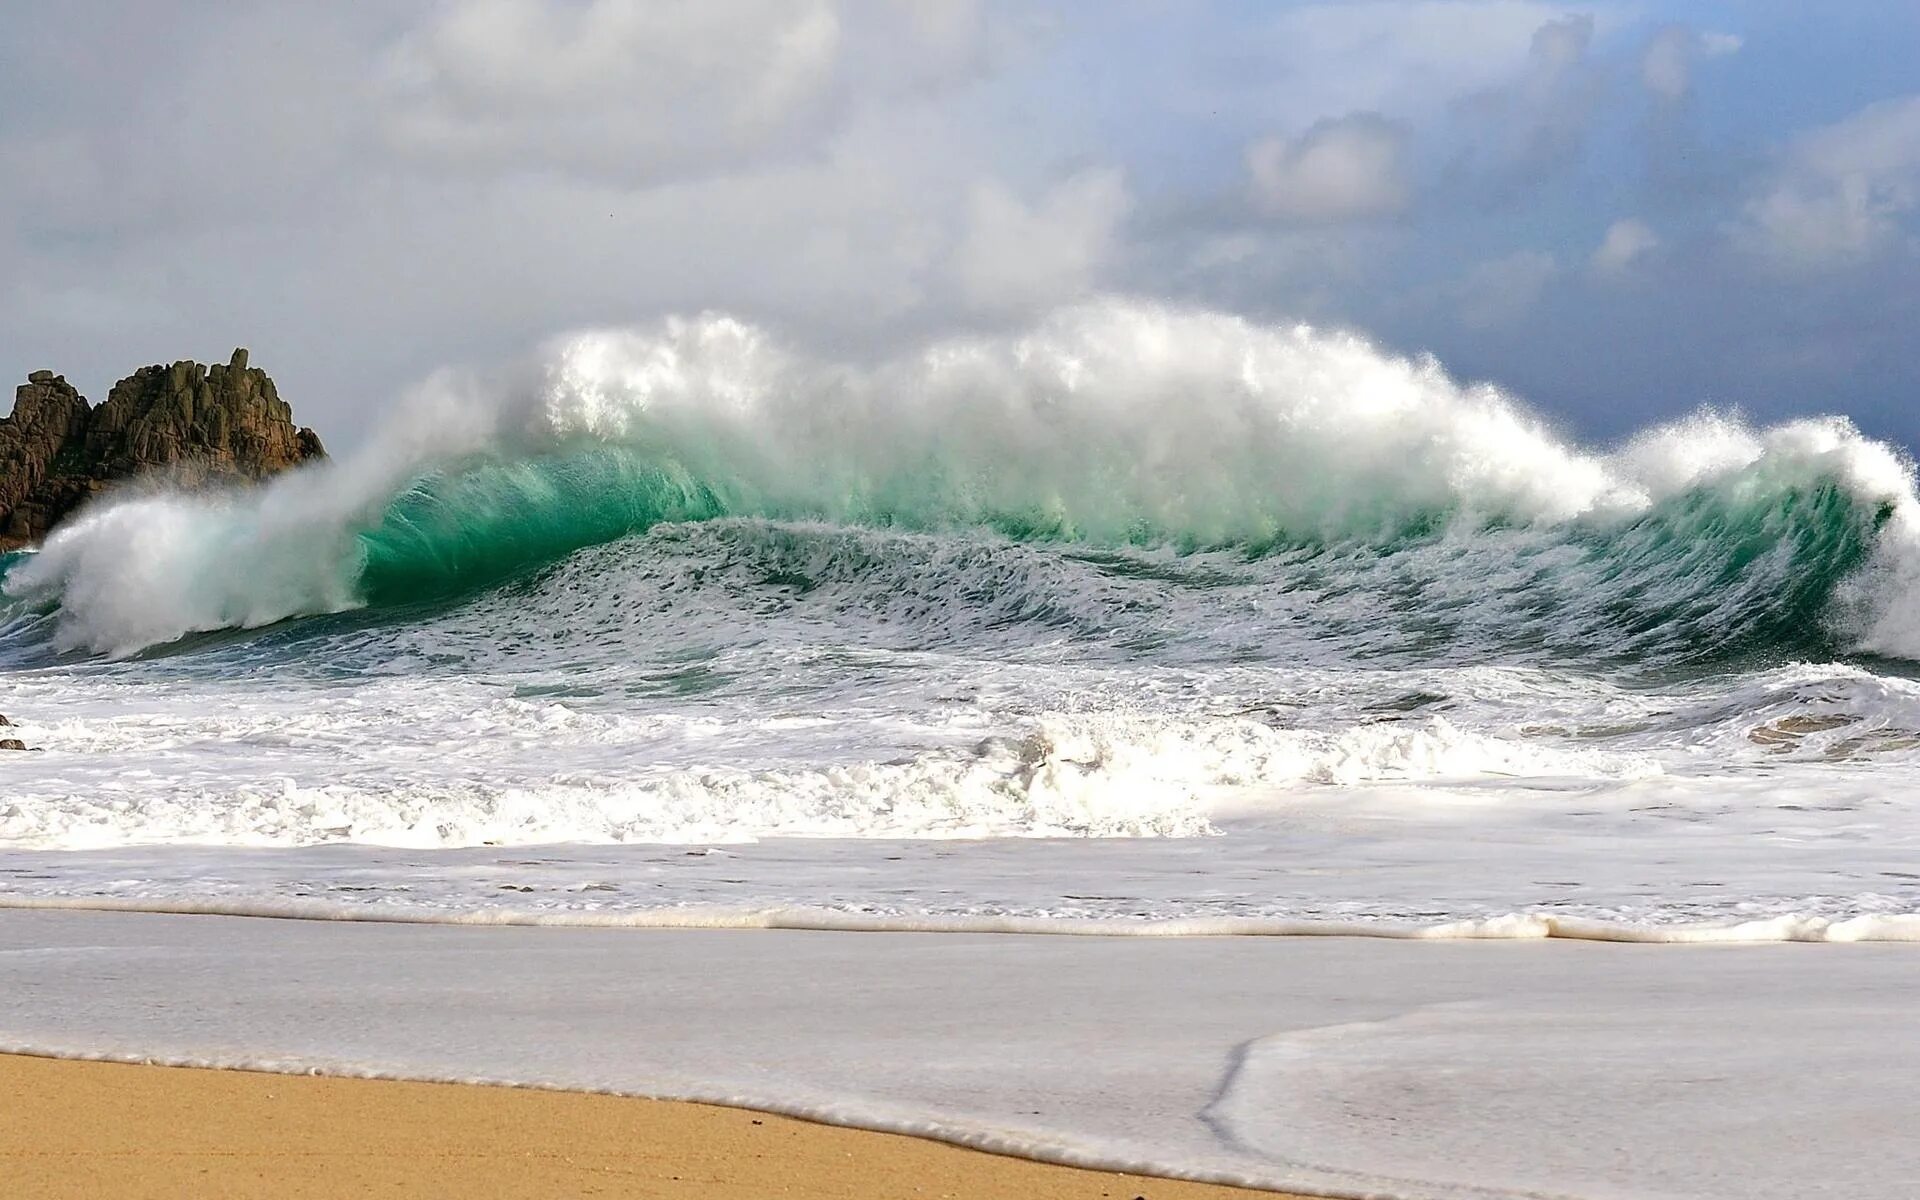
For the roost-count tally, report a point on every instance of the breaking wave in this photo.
(1161, 438)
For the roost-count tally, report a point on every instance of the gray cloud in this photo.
(1500, 291)
(1541, 123)
(1396, 57)
(1560, 44)
(1348, 168)
(1840, 194)
(1534, 122)
(1666, 66)
(362, 195)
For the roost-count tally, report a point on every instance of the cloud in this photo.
(1666, 66)
(1535, 124)
(361, 193)
(1840, 195)
(1553, 106)
(1014, 254)
(1398, 57)
(287, 105)
(1500, 291)
(114, 161)
(636, 91)
(813, 165)
(1560, 44)
(1348, 168)
(1627, 241)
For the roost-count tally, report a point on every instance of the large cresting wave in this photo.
(1116, 424)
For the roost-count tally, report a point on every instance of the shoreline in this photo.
(1306, 1066)
(132, 1130)
(854, 1119)
(1515, 926)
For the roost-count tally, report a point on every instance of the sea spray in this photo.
(1112, 424)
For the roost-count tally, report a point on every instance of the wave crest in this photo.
(1116, 423)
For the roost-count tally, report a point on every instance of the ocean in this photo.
(1136, 620)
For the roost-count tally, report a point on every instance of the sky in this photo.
(1619, 211)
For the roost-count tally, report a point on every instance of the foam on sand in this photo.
(1409, 1070)
(1792, 927)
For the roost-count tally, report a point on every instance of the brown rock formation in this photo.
(204, 425)
(41, 445)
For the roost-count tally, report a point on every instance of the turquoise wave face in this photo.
(1717, 573)
(1708, 575)
(1724, 573)
(453, 533)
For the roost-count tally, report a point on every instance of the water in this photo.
(1142, 615)
(1455, 1070)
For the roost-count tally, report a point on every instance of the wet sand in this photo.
(85, 1129)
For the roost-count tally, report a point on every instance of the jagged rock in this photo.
(218, 424)
(12, 744)
(40, 447)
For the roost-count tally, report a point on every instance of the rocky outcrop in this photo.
(200, 424)
(42, 447)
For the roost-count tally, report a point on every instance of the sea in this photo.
(1137, 619)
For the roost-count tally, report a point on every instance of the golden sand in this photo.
(79, 1129)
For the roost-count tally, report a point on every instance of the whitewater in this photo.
(1141, 619)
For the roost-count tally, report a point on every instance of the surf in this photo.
(1114, 426)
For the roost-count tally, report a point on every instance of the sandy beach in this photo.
(108, 1129)
(1333, 1066)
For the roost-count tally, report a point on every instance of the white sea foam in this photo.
(1518, 926)
(1776, 802)
(1063, 777)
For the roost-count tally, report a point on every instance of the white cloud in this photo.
(640, 90)
(1014, 254)
(1666, 66)
(1349, 168)
(1841, 194)
(1627, 241)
